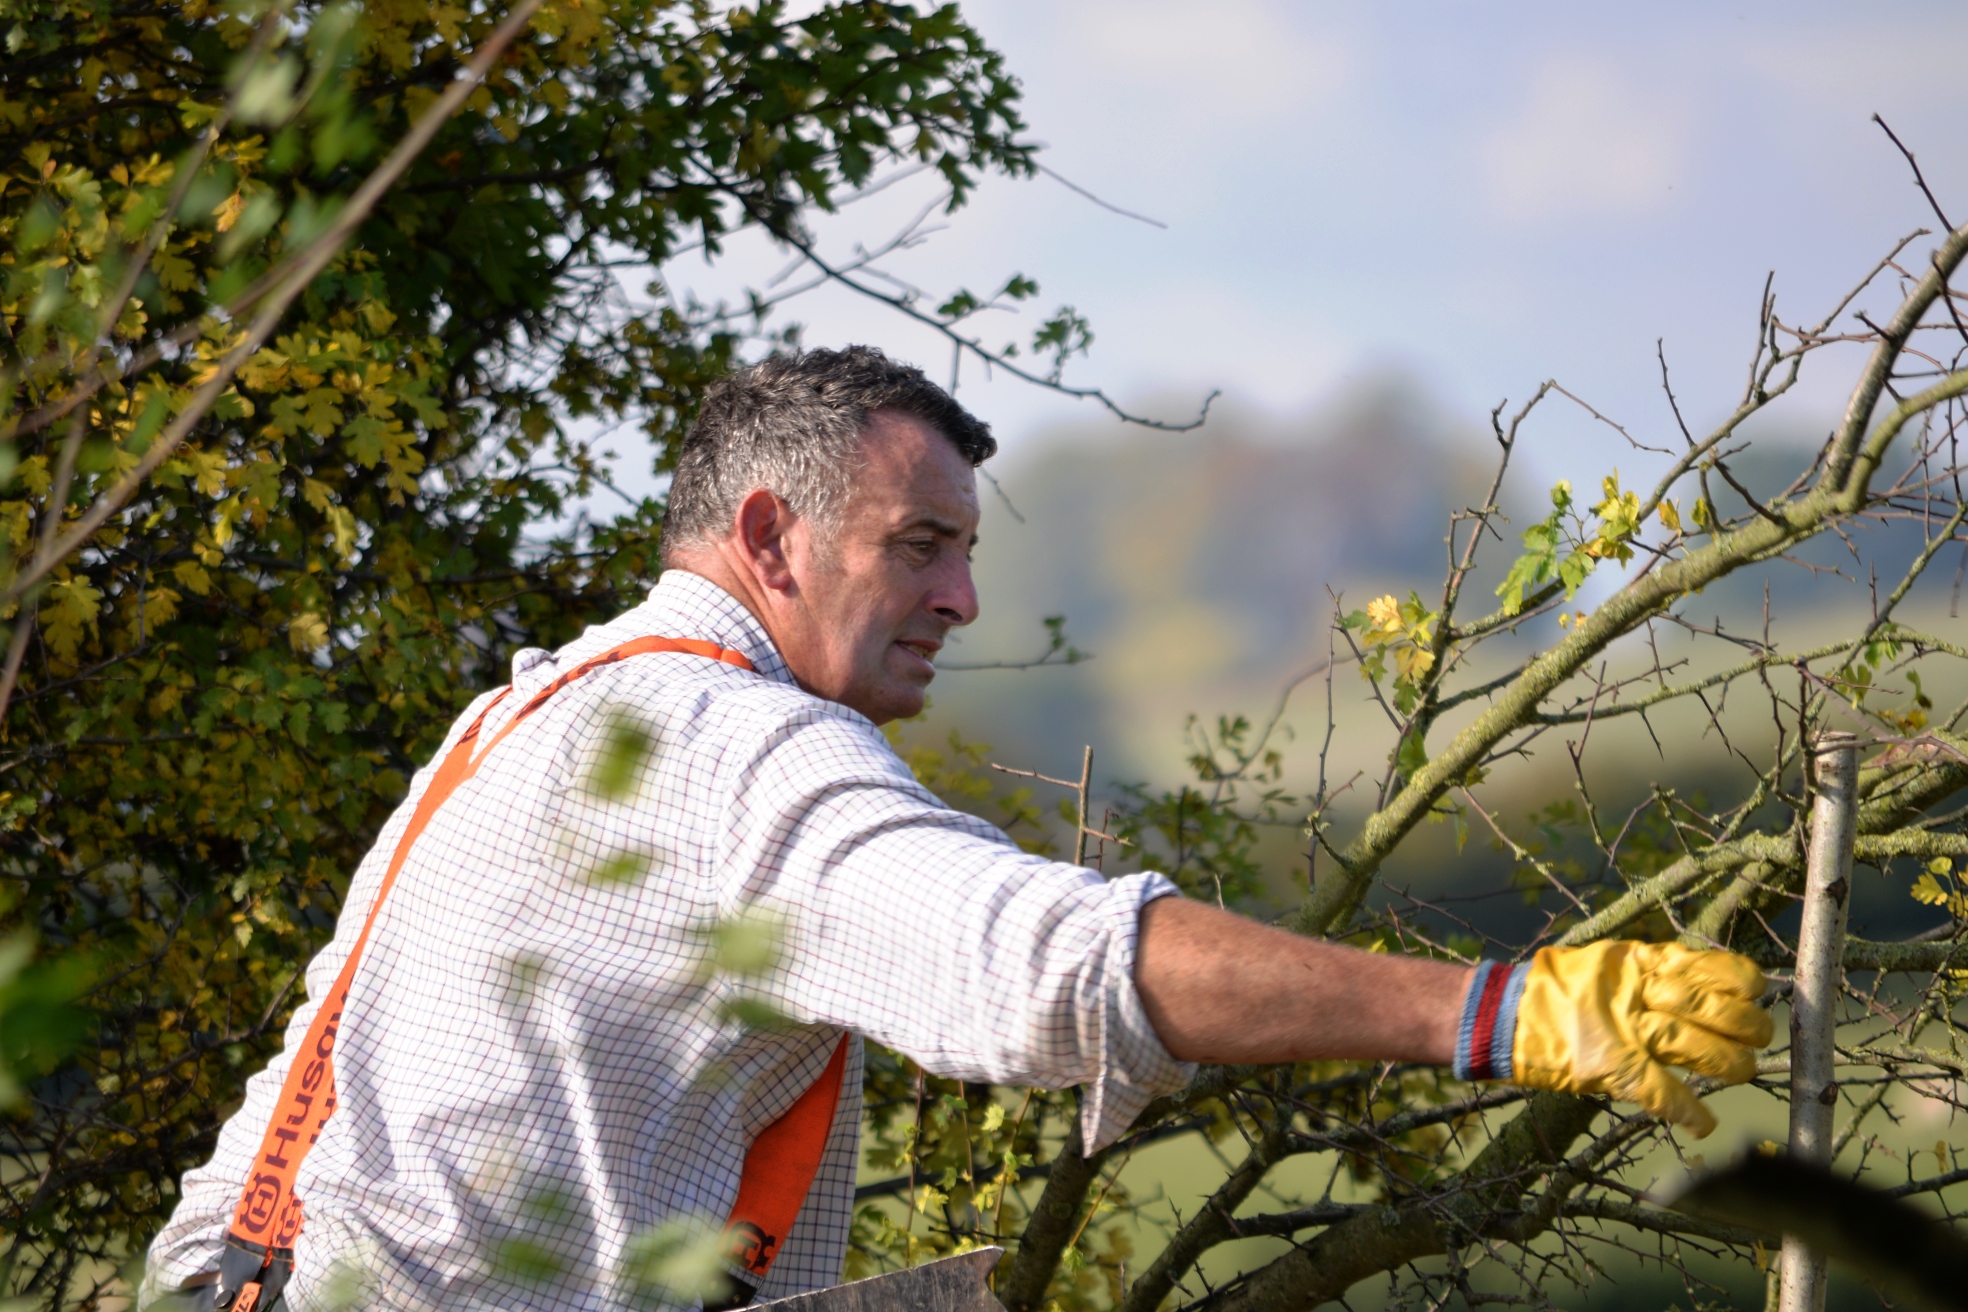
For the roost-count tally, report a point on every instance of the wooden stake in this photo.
(1815, 995)
(1086, 789)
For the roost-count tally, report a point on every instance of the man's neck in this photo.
(713, 567)
(740, 585)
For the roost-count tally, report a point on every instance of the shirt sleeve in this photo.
(930, 931)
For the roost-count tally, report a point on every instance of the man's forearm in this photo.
(1220, 988)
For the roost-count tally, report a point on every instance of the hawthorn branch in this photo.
(1489, 1196)
(1212, 1225)
(1051, 1226)
(904, 304)
(1643, 598)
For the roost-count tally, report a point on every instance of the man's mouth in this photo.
(921, 649)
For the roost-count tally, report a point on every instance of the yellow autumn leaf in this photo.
(324, 413)
(1670, 516)
(307, 632)
(153, 172)
(33, 475)
(193, 576)
(174, 272)
(266, 371)
(130, 323)
(376, 315)
(318, 494)
(159, 606)
(207, 469)
(449, 21)
(224, 524)
(228, 213)
(16, 519)
(72, 606)
(1414, 663)
(341, 520)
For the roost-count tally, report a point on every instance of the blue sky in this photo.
(1481, 196)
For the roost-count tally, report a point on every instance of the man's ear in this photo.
(763, 522)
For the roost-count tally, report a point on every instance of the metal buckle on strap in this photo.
(739, 1292)
(250, 1275)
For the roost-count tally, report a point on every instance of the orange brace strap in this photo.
(779, 1169)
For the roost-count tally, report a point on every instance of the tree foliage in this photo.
(221, 697)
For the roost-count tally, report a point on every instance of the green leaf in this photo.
(524, 1259)
(254, 222)
(157, 407)
(264, 94)
(1412, 754)
(621, 868)
(39, 1021)
(39, 226)
(748, 944)
(1574, 571)
(626, 748)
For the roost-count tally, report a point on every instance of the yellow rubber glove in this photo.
(1612, 1017)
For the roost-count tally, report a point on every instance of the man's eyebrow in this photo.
(948, 528)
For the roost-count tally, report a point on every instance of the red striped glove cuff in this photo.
(1489, 1022)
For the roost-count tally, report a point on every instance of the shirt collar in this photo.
(686, 605)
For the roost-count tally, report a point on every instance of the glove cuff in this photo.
(1488, 1030)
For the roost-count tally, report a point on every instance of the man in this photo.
(530, 1046)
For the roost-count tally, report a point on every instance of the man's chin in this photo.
(896, 699)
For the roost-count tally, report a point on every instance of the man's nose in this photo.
(954, 600)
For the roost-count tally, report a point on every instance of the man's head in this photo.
(832, 492)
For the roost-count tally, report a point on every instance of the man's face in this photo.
(873, 605)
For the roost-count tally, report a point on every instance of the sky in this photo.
(1477, 197)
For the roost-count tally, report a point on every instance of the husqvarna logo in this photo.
(752, 1247)
(262, 1199)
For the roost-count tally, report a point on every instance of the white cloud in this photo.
(1865, 67)
(1236, 60)
(1585, 142)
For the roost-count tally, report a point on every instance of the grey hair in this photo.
(791, 424)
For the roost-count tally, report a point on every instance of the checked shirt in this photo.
(536, 1060)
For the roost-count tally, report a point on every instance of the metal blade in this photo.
(949, 1284)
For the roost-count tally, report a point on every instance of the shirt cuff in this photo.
(1135, 1068)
